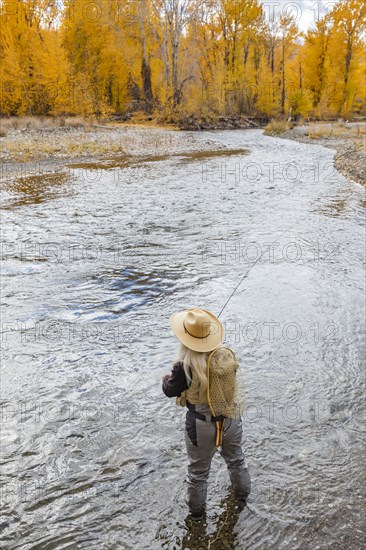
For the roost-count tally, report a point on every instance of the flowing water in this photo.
(96, 258)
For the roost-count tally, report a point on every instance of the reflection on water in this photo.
(134, 288)
(133, 161)
(97, 263)
(223, 536)
(36, 189)
(334, 207)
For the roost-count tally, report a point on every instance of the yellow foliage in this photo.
(212, 58)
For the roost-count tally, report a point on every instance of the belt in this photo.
(192, 408)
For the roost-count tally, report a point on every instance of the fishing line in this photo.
(241, 280)
(253, 265)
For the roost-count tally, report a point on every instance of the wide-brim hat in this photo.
(198, 329)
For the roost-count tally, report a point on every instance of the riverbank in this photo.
(38, 141)
(348, 139)
(31, 139)
(210, 122)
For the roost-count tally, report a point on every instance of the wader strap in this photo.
(190, 406)
(216, 419)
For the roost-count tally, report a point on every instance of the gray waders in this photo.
(200, 438)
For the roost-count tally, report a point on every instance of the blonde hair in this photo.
(197, 361)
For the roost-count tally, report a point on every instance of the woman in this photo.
(199, 333)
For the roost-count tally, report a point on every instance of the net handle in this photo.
(208, 374)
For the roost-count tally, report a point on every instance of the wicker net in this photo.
(225, 390)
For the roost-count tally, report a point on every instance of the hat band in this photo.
(190, 334)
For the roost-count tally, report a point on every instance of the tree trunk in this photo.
(146, 80)
(175, 32)
(176, 93)
(346, 74)
(300, 75)
(246, 52)
(145, 67)
(321, 71)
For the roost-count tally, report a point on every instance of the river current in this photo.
(96, 257)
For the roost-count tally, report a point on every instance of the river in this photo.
(95, 259)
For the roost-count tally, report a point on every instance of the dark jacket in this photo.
(175, 383)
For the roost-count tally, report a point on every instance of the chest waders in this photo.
(221, 400)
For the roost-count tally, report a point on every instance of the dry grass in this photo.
(23, 151)
(335, 130)
(89, 140)
(42, 123)
(91, 148)
(361, 145)
(277, 127)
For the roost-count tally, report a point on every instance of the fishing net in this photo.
(225, 391)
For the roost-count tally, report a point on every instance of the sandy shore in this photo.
(347, 140)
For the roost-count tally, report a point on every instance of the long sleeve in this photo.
(175, 383)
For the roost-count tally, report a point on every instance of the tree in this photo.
(202, 56)
(316, 56)
(288, 33)
(33, 62)
(349, 24)
(173, 17)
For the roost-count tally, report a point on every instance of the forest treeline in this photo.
(211, 57)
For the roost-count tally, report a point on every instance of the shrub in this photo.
(277, 127)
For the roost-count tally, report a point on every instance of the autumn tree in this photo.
(210, 57)
(349, 24)
(288, 34)
(32, 61)
(316, 59)
(172, 17)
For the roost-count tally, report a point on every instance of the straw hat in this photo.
(198, 329)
